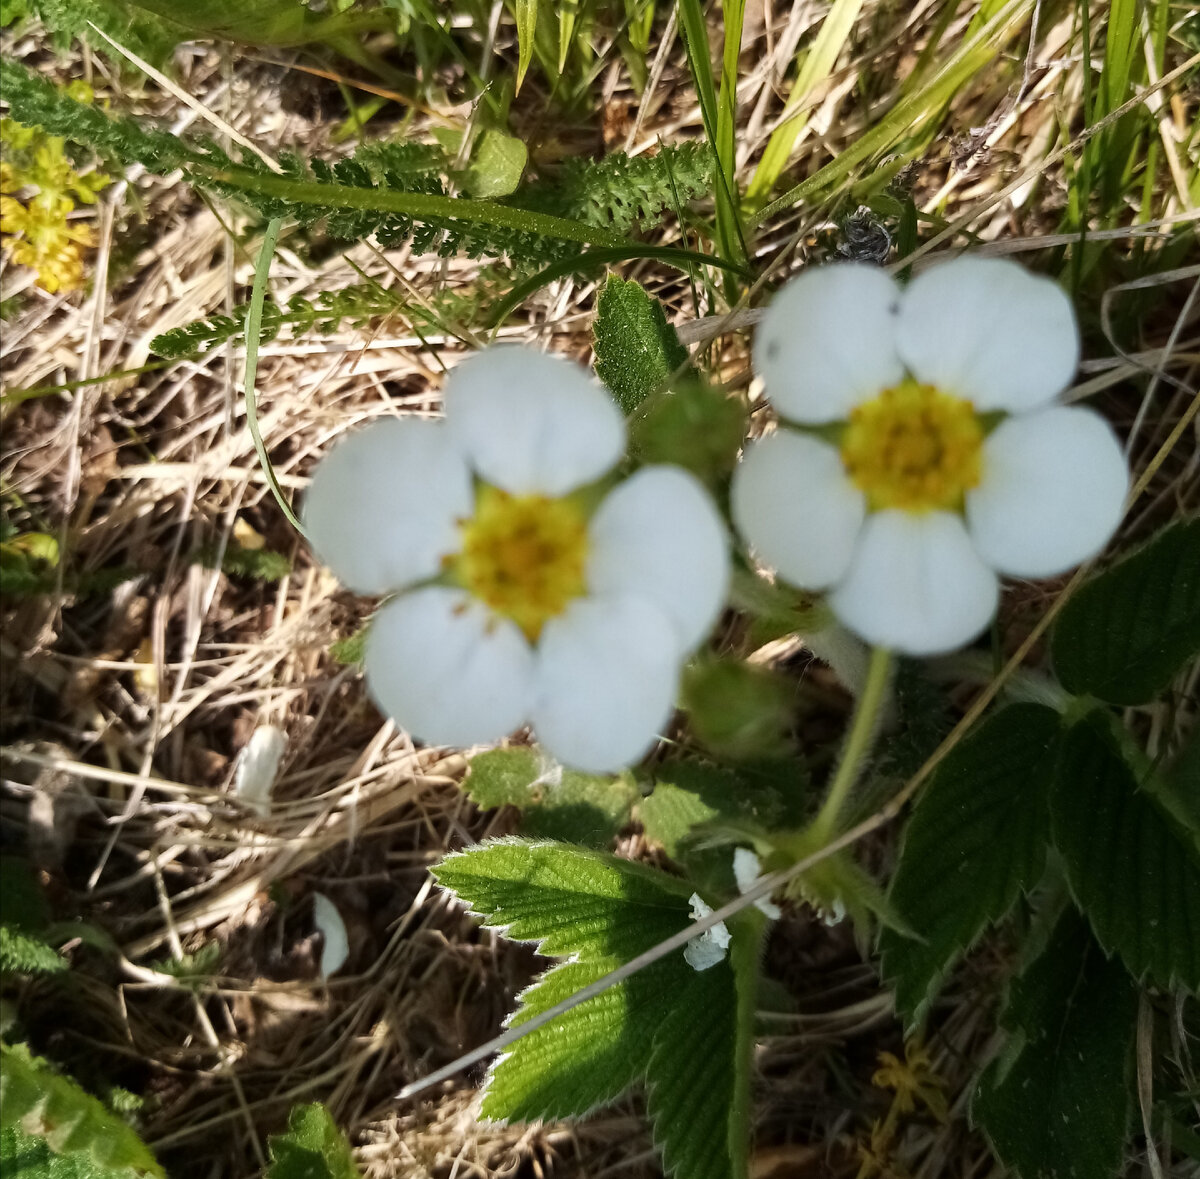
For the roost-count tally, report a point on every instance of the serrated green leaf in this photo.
(497, 162)
(71, 1122)
(312, 1148)
(1055, 1105)
(692, 1079)
(688, 795)
(28, 1157)
(636, 349)
(1182, 782)
(591, 1055)
(567, 899)
(976, 839)
(573, 807)
(1128, 631)
(1133, 870)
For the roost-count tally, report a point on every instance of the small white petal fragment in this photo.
(607, 674)
(531, 422)
(746, 871)
(988, 330)
(383, 505)
(916, 584)
(448, 670)
(827, 342)
(1053, 492)
(794, 504)
(708, 948)
(257, 768)
(329, 924)
(658, 535)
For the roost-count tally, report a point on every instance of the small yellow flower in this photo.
(913, 1080)
(38, 191)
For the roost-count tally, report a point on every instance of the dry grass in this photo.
(124, 713)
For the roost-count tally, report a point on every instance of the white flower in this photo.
(708, 948)
(921, 453)
(746, 872)
(523, 600)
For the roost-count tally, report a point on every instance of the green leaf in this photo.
(565, 804)
(1056, 1103)
(497, 162)
(568, 900)
(692, 1080)
(29, 1157)
(636, 349)
(690, 800)
(694, 426)
(527, 17)
(976, 839)
(25, 953)
(71, 1122)
(1128, 631)
(312, 1148)
(739, 710)
(682, 1029)
(1133, 869)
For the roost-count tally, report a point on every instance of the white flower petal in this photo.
(1052, 493)
(607, 674)
(257, 767)
(447, 669)
(531, 422)
(383, 503)
(329, 924)
(916, 584)
(988, 330)
(708, 948)
(658, 536)
(794, 504)
(746, 871)
(827, 341)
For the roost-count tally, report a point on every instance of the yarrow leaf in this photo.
(1056, 1102)
(555, 803)
(637, 351)
(975, 841)
(1134, 870)
(312, 1148)
(1130, 629)
(45, 1105)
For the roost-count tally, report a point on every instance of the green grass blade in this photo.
(913, 111)
(527, 20)
(262, 268)
(815, 66)
(695, 40)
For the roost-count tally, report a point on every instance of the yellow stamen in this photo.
(914, 447)
(524, 555)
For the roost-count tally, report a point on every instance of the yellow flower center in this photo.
(524, 555)
(914, 447)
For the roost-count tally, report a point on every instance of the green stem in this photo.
(258, 295)
(858, 744)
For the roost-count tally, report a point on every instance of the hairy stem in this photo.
(858, 744)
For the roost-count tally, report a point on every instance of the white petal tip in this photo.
(257, 768)
(329, 924)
